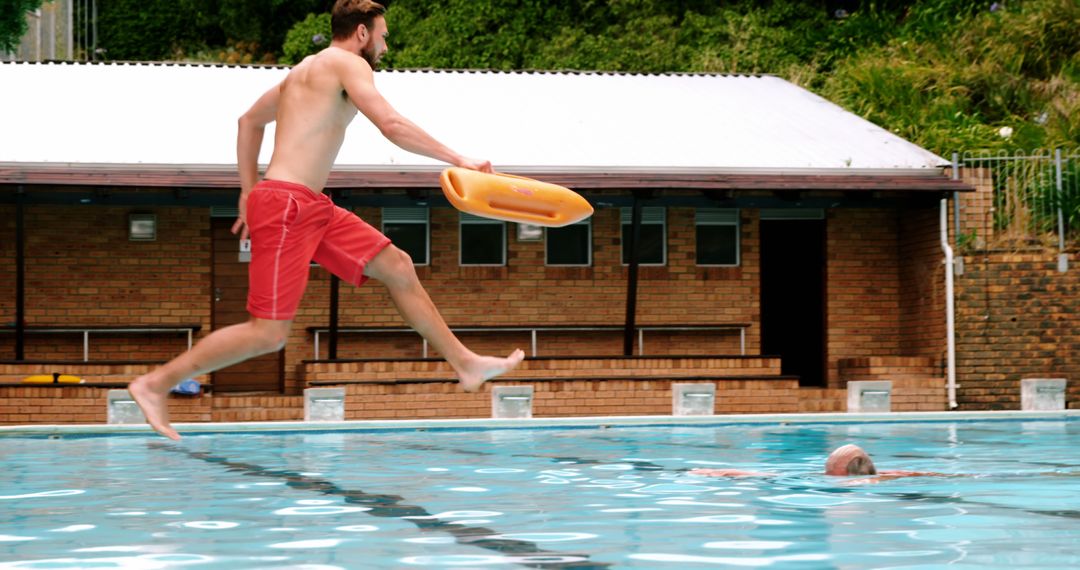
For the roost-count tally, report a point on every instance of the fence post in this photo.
(1063, 258)
(958, 262)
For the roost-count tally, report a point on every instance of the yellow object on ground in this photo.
(52, 379)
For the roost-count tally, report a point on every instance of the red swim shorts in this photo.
(291, 225)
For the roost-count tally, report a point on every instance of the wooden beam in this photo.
(226, 177)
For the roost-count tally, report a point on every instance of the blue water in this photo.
(547, 498)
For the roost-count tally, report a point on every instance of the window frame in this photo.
(469, 219)
(736, 221)
(414, 221)
(647, 212)
(588, 245)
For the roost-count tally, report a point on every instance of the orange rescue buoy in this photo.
(513, 198)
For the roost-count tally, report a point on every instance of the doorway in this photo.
(793, 296)
(264, 373)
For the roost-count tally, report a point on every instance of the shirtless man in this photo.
(844, 461)
(291, 222)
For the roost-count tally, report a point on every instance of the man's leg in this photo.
(394, 269)
(221, 348)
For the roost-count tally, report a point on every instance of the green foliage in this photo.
(13, 21)
(958, 88)
(305, 38)
(235, 31)
(496, 34)
(142, 29)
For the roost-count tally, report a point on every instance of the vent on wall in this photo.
(792, 214)
(224, 211)
(649, 215)
(405, 215)
(717, 216)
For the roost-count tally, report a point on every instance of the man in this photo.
(844, 461)
(291, 222)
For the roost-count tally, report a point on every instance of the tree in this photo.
(13, 21)
(308, 36)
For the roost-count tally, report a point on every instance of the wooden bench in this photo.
(534, 331)
(86, 331)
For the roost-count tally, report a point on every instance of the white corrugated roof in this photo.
(186, 115)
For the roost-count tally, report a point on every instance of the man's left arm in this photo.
(249, 136)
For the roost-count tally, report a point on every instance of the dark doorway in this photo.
(793, 296)
(260, 374)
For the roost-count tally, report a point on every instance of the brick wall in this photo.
(976, 208)
(1017, 317)
(81, 405)
(92, 373)
(922, 285)
(7, 273)
(863, 286)
(562, 398)
(527, 292)
(81, 269)
(257, 408)
(548, 368)
(414, 389)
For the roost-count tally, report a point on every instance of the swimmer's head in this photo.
(849, 460)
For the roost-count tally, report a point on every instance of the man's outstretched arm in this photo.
(358, 79)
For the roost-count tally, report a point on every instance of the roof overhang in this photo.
(596, 178)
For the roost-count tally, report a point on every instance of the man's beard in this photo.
(371, 56)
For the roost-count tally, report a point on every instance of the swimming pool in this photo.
(557, 497)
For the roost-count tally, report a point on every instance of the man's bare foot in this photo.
(154, 405)
(484, 368)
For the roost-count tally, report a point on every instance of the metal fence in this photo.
(1036, 196)
(58, 30)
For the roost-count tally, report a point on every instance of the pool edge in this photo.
(564, 422)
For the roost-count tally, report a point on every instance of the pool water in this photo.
(582, 498)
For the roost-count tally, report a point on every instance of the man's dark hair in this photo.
(348, 14)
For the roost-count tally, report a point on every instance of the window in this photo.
(717, 236)
(569, 245)
(483, 241)
(653, 247)
(410, 230)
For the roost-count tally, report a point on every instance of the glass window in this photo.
(483, 241)
(717, 236)
(653, 247)
(410, 230)
(569, 245)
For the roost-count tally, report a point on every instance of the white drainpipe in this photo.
(950, 308)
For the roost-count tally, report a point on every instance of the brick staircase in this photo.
(917, 383)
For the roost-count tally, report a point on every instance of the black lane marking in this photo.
(392, 506)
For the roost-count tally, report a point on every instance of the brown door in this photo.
(260, 374)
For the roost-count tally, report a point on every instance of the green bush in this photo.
(13, 21)
(308, 36)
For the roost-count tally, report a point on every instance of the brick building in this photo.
(786, 246)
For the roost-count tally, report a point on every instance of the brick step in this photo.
(887, 372)
(906, 381)
(904, 361)
(431, 370)
(887, 366)
(228, 401)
